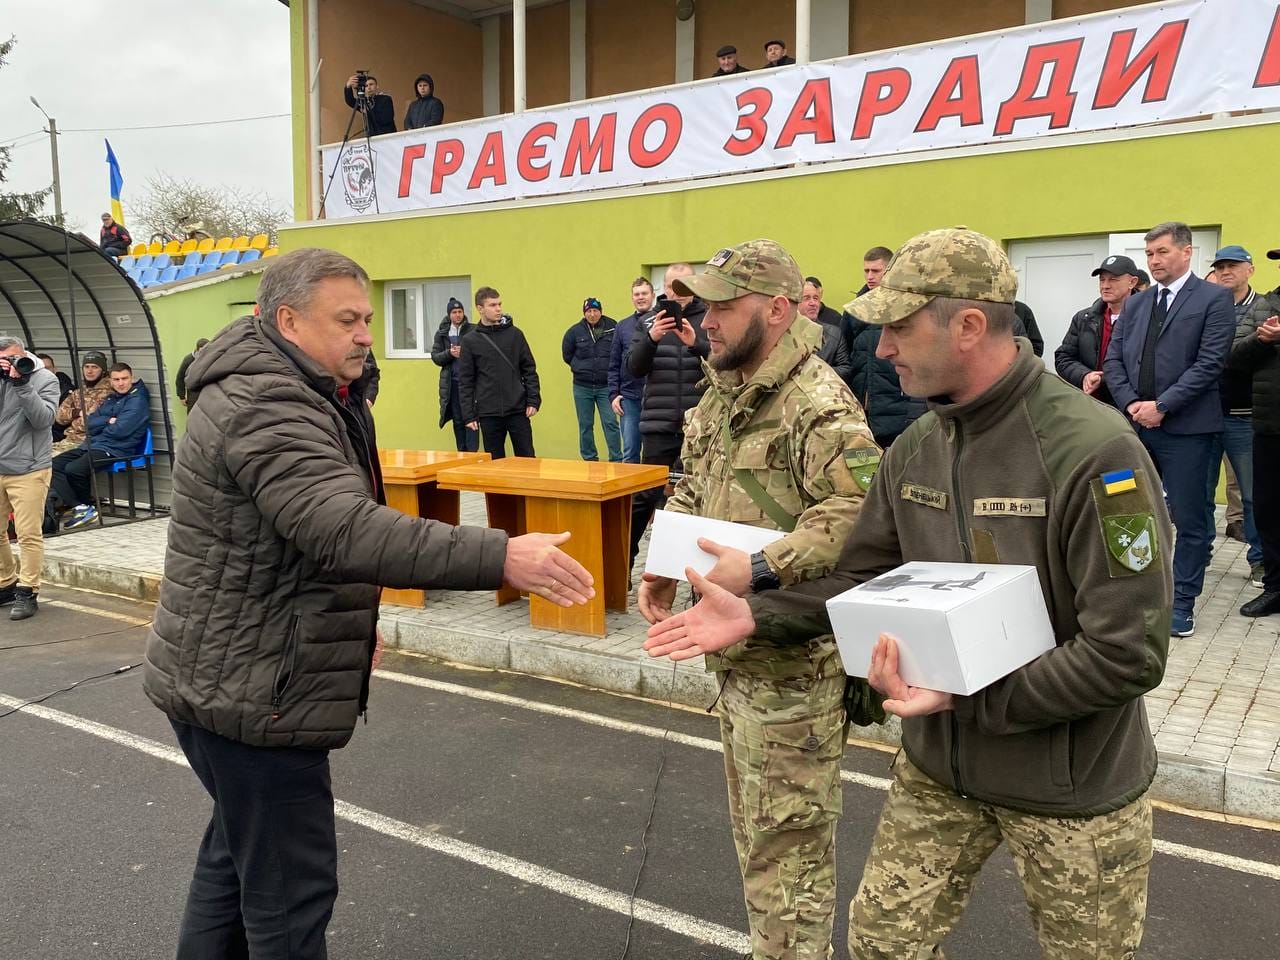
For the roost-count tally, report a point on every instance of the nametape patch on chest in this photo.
(926, 495)
(1009, 507)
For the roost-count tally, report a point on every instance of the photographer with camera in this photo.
(361, 93)
(28, 398)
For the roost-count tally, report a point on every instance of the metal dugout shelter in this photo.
(63, 296)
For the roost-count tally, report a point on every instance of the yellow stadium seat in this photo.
(270, 252)
(173, 248)
(223, 244)
(137, 250)
(259, 242)
(240, 243)
(188, 246)
(205, 246)
(155, 248)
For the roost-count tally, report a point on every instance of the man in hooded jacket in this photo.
(427, 110)
(445, 351)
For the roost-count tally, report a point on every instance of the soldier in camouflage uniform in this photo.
(1054, 759)
(776, 441)
(97, 387)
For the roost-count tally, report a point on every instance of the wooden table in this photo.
(409, 480)
(590, 500)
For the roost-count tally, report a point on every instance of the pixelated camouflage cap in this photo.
(757, 266)
(955, 262)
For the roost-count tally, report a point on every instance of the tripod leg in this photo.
(346, 137)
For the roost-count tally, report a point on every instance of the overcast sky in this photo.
(103, 66)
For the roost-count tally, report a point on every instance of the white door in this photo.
(1054, 281)
(1204, 244)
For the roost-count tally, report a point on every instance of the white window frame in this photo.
(424, 327)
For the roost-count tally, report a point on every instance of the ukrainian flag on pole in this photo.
(117, 181)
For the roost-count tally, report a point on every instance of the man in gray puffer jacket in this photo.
(27, 404)
(265, 635)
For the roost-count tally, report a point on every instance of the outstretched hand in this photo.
(717, 621)
(535, 564)
(900, 699)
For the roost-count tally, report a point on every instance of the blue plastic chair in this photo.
(194, 258)
(161, 261)
(209, 266)
(187, 271)
(229, 257)
(142, 461)
(126, 263)
(143, 262)
(250, 255)
(168, 274)
(148, 276)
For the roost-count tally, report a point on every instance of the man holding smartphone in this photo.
(669, 352)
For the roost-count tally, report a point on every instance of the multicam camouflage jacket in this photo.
(796, 427)
(72, 417)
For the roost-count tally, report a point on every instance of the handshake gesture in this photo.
(536, 564)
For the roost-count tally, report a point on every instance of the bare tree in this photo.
(169, 206)
(14, 206)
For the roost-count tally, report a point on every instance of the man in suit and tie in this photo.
(1163, 367)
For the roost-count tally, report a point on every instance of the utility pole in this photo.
(53, 152)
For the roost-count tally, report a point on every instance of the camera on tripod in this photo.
(362, 81)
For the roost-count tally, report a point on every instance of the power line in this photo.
(5, 143)
(169, 126)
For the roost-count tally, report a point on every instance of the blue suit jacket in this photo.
(1191, 352)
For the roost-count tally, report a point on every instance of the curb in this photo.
(1194, 784)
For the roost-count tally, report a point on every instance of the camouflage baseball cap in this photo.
(956, 262)
(757, 266)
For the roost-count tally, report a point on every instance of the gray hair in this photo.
(291, 279)
(7, 342)
(999, 315)
(1176, 229)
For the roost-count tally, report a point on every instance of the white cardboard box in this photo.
(960, 626)
(673, 542)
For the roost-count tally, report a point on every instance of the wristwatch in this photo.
(762, 575)
(1160, 407)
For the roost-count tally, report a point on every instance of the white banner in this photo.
(1146, 65)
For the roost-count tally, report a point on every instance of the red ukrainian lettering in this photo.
(531, 150)
(959, 94)
(1058, 101)
(758, 100)
(810, 116)
(1157, 60)
(669, 116)
(883, 91)
(447, 161)
(587, 151)
(491, 164)
(411, 153)
(1269, 68)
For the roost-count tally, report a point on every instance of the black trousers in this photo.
(660, 448)
(465, 440)
(266, 873)
(70, 483)
(494, 432)
(1266, 504)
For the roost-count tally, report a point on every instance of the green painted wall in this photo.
(185, 315)
(546, 259)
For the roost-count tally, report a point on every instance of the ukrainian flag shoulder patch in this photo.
(1118, 481)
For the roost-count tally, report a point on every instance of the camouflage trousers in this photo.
(1085, 879)
(783, 741)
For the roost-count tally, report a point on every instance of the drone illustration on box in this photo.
(893, 581)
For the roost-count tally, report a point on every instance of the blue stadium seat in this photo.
(194, 258)
(143, 262)
(168, 274)
(229, 257)
(148, 276)
(250, 255)
(142, 460)
(161, 261)
(209, 266)
(126, 263)
(187, 271)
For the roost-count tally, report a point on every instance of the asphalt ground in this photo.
(480, 815)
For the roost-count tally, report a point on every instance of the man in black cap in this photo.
(1079, 359)
(728, 57)
(586, 348)
(775, 54)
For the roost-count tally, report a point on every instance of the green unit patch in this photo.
(1132, 540)
(863, 463)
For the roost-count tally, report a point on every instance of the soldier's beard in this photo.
(744, 351)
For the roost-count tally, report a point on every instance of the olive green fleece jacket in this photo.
(1067, 734)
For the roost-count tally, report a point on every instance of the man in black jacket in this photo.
(835, 350)
(586, 348)
(728, 59)
(378, 110)
(1079, 359)
(445, 351)
(265, 635)
(499, 380)
(427, 110)
(670, 353)
(114, 239)
(775, 54)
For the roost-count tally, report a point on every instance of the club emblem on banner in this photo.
(357, 177)
(1132, 540)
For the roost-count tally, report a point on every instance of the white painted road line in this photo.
(96, 611)
(682, 924)
(1211, 857)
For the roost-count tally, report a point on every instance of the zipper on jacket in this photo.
(956, 781)
(289, 654)
(957, 505)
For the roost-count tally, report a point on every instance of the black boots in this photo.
(24, 603)
(6, 594)
(1267, 602)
